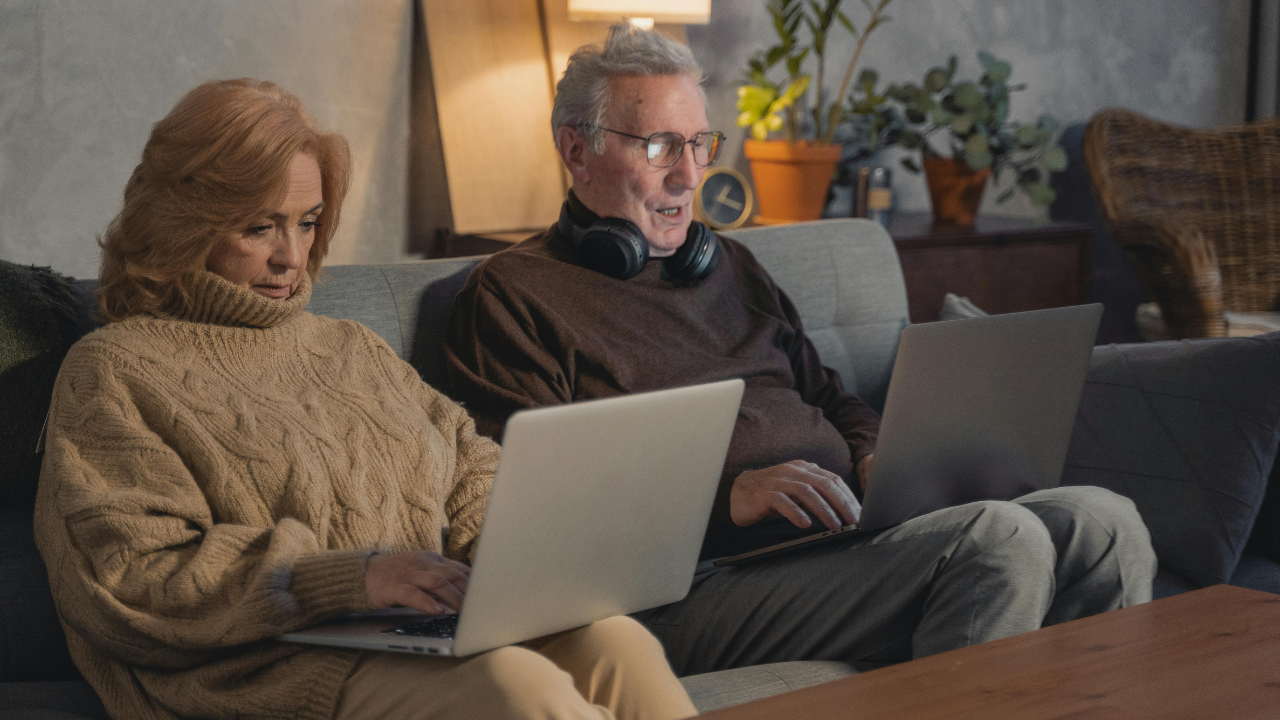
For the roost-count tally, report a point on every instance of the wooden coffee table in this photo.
(1212, 653)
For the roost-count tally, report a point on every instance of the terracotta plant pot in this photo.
(955, 189)
(791, 179)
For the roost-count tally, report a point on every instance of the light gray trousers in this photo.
(946, 580)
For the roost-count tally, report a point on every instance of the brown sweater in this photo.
(533, 327)
(219, 475)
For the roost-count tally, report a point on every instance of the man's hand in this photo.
(782, 490)
(864, 472)
(420, 580)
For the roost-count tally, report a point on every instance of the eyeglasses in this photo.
(663, 149)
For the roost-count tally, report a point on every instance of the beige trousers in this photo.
(610, 669)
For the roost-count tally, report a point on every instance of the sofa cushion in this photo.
(1265, 538)
(715, 690)
(1257, 573)
(50, 701)
(41, 314)
(1188, 431)
(32, 645)
(406, 304)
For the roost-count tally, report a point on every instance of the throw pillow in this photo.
(1265, 538)
(41, 314)
(1188, 431)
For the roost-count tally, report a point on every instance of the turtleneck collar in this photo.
(217, 301)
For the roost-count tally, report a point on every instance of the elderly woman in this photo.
(223, 466)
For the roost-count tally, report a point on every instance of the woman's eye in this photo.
(258, 230)
(308, 225)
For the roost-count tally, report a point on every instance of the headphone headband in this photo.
(618, 248)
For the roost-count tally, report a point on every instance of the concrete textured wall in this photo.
(82, 81)
(1182, 61)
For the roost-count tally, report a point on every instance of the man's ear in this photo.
(572, 146)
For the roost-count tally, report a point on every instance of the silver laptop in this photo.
(977, 409)
(598, 509)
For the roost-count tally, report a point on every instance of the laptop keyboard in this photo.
(441, 627)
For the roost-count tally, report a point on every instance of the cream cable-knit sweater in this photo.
(218, 475)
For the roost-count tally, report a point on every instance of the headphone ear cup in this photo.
(614, 247)
(694, 260)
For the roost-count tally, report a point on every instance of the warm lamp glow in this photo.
(642, 12)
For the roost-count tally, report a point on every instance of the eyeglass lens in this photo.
(665, 148)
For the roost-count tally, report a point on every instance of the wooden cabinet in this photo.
(1001, 264)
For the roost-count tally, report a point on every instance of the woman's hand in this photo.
(422, 580)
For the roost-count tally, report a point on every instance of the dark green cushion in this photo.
(41, 314)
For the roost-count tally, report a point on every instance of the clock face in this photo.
(725, 198)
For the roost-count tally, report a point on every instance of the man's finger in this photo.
(837, 482)
(783, 505)
(835, 494)
(857, 511)
(813, 501)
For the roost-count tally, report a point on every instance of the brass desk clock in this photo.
(723, 201)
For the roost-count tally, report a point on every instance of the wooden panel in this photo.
(493, 99)
(931, 273)
(1032, 276)
(1210, 653)
(564, 36)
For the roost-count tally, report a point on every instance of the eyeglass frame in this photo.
(648, 140)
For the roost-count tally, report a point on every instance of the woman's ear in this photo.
(572, 146)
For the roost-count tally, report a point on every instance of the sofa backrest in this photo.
(845, 280)
(842, 275)
(408, 304)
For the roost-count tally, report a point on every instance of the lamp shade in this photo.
(688, 12)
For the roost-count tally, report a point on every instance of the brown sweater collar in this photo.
(217, 301)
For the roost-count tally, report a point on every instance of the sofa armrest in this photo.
(1179, 270)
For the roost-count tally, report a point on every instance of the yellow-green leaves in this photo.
(761, 106)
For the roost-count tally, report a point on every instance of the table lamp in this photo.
(642, 13)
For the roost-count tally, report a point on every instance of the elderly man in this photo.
(627, 294)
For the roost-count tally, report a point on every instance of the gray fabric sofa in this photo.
(843, 276)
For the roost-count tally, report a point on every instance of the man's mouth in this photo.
(669, 212)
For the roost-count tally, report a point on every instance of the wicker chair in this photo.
(1198, 211)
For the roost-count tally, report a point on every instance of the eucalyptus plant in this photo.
(972, 117)
(767, 106)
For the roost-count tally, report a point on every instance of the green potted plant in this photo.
(792, 174)
(972, 119)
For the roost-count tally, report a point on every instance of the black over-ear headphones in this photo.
(618, 248)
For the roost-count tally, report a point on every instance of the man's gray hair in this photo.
(582, 95)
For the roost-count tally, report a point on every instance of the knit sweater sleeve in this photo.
(467, 491)
(137, 561)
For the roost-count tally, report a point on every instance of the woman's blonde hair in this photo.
(218, 160)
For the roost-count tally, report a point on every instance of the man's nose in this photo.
(685, 174)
